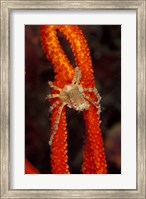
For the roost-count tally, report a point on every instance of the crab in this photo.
(72, 96)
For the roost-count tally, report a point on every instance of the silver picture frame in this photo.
(140, 7)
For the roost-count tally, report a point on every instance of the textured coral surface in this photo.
(64, 74)
(104, 46)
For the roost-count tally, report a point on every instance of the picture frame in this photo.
(6, 7)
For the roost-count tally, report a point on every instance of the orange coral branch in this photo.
(29, 168)
(94, 156)
(94, 144)
(62, 67)
(59, 156)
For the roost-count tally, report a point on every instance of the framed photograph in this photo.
(73, 99)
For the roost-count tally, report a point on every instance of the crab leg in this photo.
(95, 91)
(54, 105)
(53, 86)
(96, 104)
(50, 96)
(77, 76)
(91, 90)
(56, 124)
